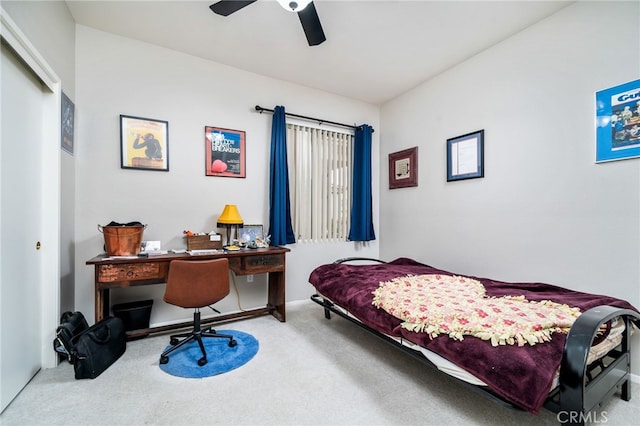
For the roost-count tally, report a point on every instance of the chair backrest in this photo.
(197, 283)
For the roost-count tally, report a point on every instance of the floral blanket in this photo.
(458, 306)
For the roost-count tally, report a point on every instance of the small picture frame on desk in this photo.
(249, 233)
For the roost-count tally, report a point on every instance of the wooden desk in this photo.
(123, 273)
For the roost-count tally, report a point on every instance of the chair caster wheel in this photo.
(174, 341)
(202, 361)
(164, 359)
(232, 343)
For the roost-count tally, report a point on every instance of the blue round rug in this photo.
(183, 362)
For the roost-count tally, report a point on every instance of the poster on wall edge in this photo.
(618, 122)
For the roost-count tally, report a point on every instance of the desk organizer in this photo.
(204, 242)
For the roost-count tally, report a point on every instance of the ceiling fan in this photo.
(304, 8)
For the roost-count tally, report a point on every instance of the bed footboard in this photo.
(584, 388)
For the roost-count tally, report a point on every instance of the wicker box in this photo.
(204, 242)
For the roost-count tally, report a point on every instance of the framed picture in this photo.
(465, 156)
(403, 168)
(68, 120)
(249, 233)
(225, 152)
(144, 143)
(618, 122)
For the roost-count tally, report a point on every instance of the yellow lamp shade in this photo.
(230, 216)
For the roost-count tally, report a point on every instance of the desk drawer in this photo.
(258, 264)
(131, 272)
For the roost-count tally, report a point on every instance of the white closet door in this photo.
(21, 183)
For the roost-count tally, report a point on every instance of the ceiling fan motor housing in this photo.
(294, 5)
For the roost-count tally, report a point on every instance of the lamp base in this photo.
(229, 233)
(228, 241)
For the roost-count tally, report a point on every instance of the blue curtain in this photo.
(279, 204)
(361, 199)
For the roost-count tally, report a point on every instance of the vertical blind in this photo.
(320, 182)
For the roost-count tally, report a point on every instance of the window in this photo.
(319, 182)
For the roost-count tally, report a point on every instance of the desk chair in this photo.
(196, 284)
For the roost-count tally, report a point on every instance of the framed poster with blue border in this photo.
(618, 122)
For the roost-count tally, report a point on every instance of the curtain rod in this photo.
(319, 120)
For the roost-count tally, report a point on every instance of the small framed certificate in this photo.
(465, 156)
(403, 168)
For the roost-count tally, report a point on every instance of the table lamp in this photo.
(230, 218)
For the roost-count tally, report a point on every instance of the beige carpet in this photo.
(308, 371)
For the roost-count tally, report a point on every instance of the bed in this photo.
(570, 368)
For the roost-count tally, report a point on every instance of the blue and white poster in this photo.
(618, 122)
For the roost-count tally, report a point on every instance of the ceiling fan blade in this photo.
(227, 7)
(311, 25)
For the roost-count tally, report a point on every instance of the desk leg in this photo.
(276, 295)
(101, 304)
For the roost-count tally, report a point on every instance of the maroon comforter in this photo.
(522, 375)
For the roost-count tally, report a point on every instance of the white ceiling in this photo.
(375, 50)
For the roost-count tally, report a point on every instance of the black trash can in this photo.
(134, 315)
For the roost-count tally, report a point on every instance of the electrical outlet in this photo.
(249, 278)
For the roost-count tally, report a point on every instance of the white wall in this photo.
(117, 76)
(544, 210)
(51, 28)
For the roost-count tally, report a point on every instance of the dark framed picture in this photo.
(68, 120)
(618, 122)
(144, 143)
(465, 156)
(403, 168)
(225, 152)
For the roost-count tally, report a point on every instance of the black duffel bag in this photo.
(72, 324)
(95, 349)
